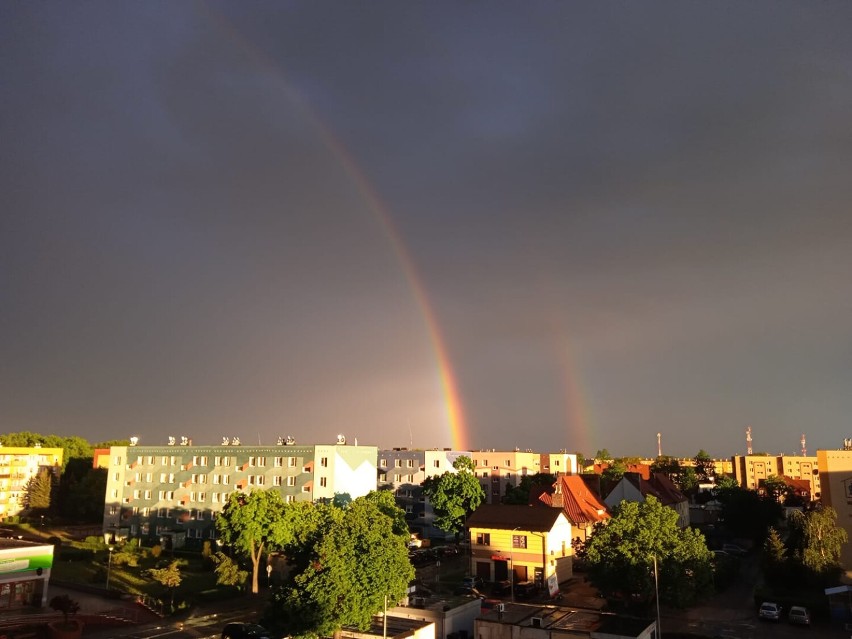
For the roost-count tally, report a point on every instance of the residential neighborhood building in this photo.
(632, 487)
(835, 468)
(19, 464)
(529, 542)
(404, 470)
(513, 620)
(498, 470)
(173, 492)
(582, 507)
(751, 470)
(25, 573)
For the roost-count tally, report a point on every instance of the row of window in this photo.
(202, 460)
(518, 541)
(409, 463)
(198, 478)
(253, 480)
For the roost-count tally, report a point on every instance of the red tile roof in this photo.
(572, 495)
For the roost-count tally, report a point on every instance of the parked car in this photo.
(245, 631)
(525, 589)
(799, 615)
(502, 588)
(769, 611)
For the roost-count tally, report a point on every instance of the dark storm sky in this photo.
(626, 218)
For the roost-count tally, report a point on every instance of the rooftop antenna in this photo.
(804, 446)
(410, 436)
(748, 440)
(659, 445)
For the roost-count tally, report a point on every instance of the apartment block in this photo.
(835, 468)
(404, 470)
(17, 466)
(497, 470)
(172, 493)
(751, 470)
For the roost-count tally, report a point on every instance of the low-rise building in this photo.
(24, 573)
(529, 543)
(512, 620)
(632, 487)
(498, 470)
(581, 506)
(750, 471)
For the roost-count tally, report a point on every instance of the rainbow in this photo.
(447, 379)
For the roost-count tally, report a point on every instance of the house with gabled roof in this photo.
(528, 542)
(581, 506)
(633, 487)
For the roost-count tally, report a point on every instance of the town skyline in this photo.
(548, 226)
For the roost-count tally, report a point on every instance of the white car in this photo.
(770, 611)
(799, 615)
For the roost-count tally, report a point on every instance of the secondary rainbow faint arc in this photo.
(449, 385)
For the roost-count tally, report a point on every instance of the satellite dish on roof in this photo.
(341, 439)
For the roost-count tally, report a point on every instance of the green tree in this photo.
(818, 540)
(228, 572)
(520, 494)
(454, 495)
(386, 502)
(346, 564)
(81, 492)
(620, 556)
(612, 475)
(168, 577)
(746, 513)
(776, 488)
(705, 469)
(773, 560)
(603, 455)
(725, 482)
(39, 489)
(687, 480)
(251, 524)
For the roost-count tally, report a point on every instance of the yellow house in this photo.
(529, 542)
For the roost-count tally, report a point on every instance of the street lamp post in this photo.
(657, 596)
(512, 563)
(109, 565)
(268, 575)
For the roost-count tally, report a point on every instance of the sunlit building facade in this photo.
(174, 492)
(19, 464)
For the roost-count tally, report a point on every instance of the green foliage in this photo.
(776, 488)
(168, 577)
(818, 540)
(746, 513)
(603, 455)
(228, 571)
(705, 470)
(65, 605)
(620, 556)
(520, 494)
(385, 501)
(81, 492)
(251, 523)
(454, 495)
(773, 559)
(612, 475)
(127, 554)
(344, 562)
(38, 490)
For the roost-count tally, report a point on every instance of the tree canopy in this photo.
(817, 539)
(454, 495)
(745, 513)
(620, 556)
(346, 563)
(520, 494)
(250, 523)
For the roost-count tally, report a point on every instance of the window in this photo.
(150, 460)
(519, 541)
(137, 476)
(226, 479)
(252, 462)
(291, 481)
(134, 511)
(260, 480)
(203, 461)
(116, 461)
(140, 460)
(410, 463)
(192, 496)
(136, 494)
(117, 476)
(113, 509)
(165, 461)
(495, 468)
(485, 474)
(148, 494)
(289, 498)
(323, 482)
(436, 463)
(383, 476)
(216, 479)
(324, 462)
(483, 539)
(276, 480)
(279, 462)
(202, 496)
(217, 461)
(397, 463)
(508, 463)
(383, 463)
(305, 489)
(291, 462)
(409, 478)
(261, 461)
(149, 477)
(215, 498)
